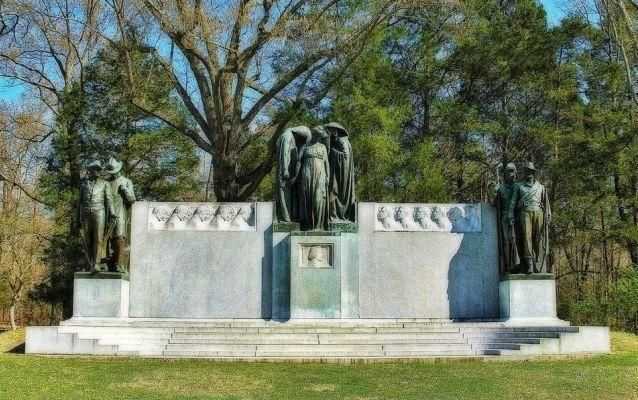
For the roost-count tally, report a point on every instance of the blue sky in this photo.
(555, 11)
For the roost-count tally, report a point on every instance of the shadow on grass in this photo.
(18, 349)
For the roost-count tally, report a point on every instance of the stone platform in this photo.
(319, 340)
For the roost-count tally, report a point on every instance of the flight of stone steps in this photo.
(312, 339)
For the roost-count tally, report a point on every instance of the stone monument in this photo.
(315, 275)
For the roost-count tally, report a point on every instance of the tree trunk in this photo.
(12, 316)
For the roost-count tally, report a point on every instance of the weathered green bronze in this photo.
(123, 199)
(342, 194)
(531, 204)
(313, 184)
(96, 203)
(290, 145)
(508, 252)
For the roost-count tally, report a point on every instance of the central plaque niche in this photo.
(317, 255)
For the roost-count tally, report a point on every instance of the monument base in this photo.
(324, 275)
(335, 340)
(528, 300)
(100, 295)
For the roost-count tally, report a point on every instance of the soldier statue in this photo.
(123, 198)
(508, 252)
(289, 147)
(531, 205)
(96, 205)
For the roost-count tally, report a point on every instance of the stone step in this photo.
(392, 338)
(496, 346)
(561, 329)
(319, 337)
(478, 335)
(506, 340)
(316, 330)
(208, 354)
(300, 338)
(320, 348)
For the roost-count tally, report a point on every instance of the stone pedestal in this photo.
(102, 294)
(316, 275)
(528, 299)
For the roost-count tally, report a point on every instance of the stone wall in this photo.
(192, 260)
(428, 274)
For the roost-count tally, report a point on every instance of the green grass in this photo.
(605, 377)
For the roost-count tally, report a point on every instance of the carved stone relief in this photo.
(454, 218)
(316, 256)
(202, 217)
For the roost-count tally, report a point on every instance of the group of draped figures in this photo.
(106, 198)
(524, 216)
(315, 176)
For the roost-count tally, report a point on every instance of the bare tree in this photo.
(244, 68)
(50, 45)
(21, 221)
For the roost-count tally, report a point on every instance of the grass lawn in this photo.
(605, 377)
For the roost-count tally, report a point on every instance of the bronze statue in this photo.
(531, 204)
(342, 195)
(313, 183)
(508, 251)
(123, 198)
(289, 147)
(96, 204)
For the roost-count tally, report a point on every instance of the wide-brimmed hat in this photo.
(530, 166)
(319, 132)
(338, 127)
(302, 131)
(510, 166)
(94, 165)
(113, 166)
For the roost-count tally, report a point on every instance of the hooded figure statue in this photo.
(290, 145)
(342, 195)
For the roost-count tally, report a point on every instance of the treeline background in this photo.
(436, 95)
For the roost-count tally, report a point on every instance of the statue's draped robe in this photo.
(286, 162)
(313, 188)
(342, 196)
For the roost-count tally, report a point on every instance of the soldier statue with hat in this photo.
(96, 205)
(533, 215)
(508, 251)
(123, 199)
